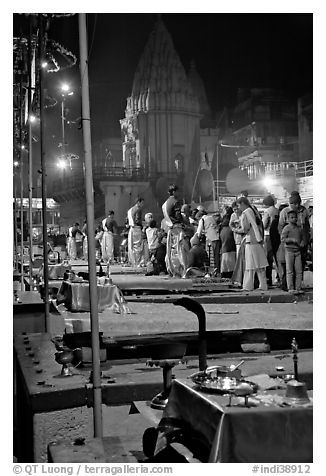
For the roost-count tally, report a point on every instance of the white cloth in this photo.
(248, 279)
(176, 256)
(152, 238)
(249, 216)
(107, 246)
(130, 217)
(166, 214)
(207, 225)
(136, 248)
(255, 256)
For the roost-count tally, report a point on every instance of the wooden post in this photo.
(86, 126)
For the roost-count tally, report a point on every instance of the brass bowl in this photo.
(217, 371)
(64, 356)
(296, 392)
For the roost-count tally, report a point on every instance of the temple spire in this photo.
(160, 79)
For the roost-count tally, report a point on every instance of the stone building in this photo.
(170, 134)
(160, 130)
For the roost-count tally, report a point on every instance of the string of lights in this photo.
(56, 58)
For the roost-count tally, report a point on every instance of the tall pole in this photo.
(30, 161)
(63, 139)
(43, 175)
(217, 187)
(63, 126)
(86, 125)
(15, 219)
(21, 120)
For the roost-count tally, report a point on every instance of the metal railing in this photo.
(301, 169)
(304, 169)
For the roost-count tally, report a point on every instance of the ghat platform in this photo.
(48, 403)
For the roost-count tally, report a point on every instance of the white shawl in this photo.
(250, 215)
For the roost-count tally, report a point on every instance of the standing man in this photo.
(85, 244)
(136, 248)
(71, 242)
(292, 237)
(208, 227)
(235, 224)
(255, 257)
(110, 227)
(270, 214)
(302, 222)
(176, 254)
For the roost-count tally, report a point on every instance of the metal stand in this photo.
(294, 347)
(160, 401)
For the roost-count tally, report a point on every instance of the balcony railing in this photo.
(301, 169)
(125, 173)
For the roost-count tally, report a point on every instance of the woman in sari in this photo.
(136, 248)
(176, 245)
(255, 256)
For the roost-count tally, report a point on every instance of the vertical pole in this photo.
(217, 187)
(21, 120)
(63, 127)
(43, 176)
(97, 410)
(63, 141)
(30, 161)
(15, 219)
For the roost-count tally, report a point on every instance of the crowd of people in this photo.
(239, 244)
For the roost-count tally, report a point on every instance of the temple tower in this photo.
(161, 131)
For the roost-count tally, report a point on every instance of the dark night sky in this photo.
(230, 51)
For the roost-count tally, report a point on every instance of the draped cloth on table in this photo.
(238, 434)
(176, 254)
(136, 248)
(75, 296)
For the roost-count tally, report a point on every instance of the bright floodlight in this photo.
(61, 164)
(32, 118)
(268, 182)
(44, 64)
(65, 87)
(16, 163)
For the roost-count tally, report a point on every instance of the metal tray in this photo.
(221, 385)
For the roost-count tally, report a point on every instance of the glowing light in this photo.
(268, 182)
(32, 118)
(62, 164)
(65, 87)
(16, 163)
(44, 64)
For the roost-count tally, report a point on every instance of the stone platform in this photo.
(51, 407)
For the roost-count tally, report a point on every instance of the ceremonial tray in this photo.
(223, 385)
